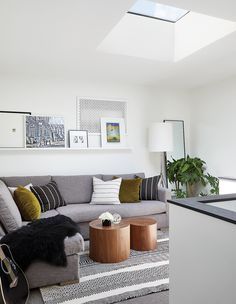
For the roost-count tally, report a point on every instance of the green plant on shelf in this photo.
(190, 179)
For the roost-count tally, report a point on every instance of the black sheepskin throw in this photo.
(41, 240)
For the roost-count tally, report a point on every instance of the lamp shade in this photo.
(160, 137)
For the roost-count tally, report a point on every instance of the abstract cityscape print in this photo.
(45, 132)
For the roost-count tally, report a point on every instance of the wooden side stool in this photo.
(143, 233)
(109, 244)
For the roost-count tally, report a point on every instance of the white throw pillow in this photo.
(106, 193)
(12, 189)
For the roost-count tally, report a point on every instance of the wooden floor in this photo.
(154, 298)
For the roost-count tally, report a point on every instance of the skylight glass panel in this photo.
(159, 11)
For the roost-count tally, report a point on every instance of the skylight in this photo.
(158, 11)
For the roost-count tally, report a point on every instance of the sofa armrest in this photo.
(74, 244)
(164, 194)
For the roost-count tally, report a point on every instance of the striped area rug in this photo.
(143, 273)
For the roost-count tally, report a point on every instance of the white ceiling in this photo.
(59, 38)
(141, 37)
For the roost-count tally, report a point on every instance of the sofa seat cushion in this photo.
(86, 212)
(49, 213)
(75, 189)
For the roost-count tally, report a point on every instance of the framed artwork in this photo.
(12, 130)
(112, 132)
(45, 132)
(90, 110)
(78, 139)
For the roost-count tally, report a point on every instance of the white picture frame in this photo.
(78, 139)
(90, 110)
(12, 133)
(113, 132)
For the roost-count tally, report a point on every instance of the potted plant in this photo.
(106, 218)
(189, 177)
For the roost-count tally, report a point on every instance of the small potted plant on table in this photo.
(106, 218)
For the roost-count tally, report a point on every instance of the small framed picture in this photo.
(78, 139)
(113, 132)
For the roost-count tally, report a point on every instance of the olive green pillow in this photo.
(130, 190)
(27, 204)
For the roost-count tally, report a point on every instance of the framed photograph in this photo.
(45, 132)
(78, 139)
(112, 132)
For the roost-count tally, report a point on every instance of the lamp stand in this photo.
(162, 181)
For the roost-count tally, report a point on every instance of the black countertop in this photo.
(203, 205)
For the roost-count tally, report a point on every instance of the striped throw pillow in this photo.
(106, 193)
(48, 196)
(149, 188)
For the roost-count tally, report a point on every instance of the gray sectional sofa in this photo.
(77, 191)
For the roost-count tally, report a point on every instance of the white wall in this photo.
(213, 126)
(58, 97)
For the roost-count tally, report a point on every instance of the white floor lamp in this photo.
(161, 140)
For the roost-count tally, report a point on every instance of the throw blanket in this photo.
(41, 240)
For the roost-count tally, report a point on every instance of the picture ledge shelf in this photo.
(66, 149)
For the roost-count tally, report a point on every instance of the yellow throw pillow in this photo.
(130, 190)
(27, 203)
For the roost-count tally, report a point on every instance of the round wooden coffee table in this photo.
(109, 244)
(143, 233)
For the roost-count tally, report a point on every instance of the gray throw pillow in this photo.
(9, 214)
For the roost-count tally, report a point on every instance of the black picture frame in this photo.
(15, 112)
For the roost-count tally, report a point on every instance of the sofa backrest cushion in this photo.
(9, 214)
(75, 189)
(2, 231)
(124, 176)
(15, 181)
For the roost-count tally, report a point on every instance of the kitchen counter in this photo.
(203, 250)
(219, 206)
